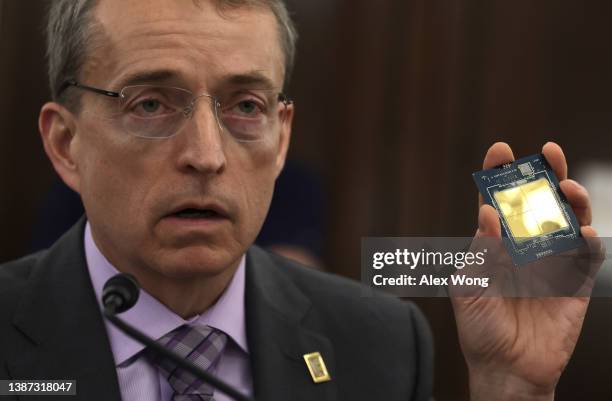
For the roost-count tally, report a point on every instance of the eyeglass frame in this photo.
(282, 97)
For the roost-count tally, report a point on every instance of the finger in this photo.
(488, 222)
(596, 250)
(596, 245)
(555, 157)
(588, 232)
(497, 263)
(499, 153)
(578, 197)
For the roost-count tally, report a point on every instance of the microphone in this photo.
(120, 293)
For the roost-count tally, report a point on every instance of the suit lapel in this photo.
(276, 310)
(61, 319)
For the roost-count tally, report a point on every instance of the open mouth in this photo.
(197, 214)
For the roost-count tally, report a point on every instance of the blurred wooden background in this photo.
(397, 102)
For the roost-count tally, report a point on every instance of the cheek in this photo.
(113, 180)
(255, 168)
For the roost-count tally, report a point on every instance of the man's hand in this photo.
(517, 348)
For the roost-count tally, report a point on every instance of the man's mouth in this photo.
(197, 214)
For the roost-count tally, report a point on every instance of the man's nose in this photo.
(202, 140)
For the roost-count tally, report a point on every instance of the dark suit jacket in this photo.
(376, 349)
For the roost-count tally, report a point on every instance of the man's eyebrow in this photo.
(253, 78)
(145, 77)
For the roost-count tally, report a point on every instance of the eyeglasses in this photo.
(158, 112)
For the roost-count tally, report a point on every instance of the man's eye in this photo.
(149, 106)
(248, 107)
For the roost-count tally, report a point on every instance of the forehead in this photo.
(198, 42)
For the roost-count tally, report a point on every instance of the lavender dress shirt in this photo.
(141, 381)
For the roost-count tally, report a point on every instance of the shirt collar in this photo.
(155, 319)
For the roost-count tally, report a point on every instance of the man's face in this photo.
(132, 188)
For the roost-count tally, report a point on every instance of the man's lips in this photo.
(198, 211)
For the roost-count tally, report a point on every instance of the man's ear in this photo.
(285, 138)
(57, 128)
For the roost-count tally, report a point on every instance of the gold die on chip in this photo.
(531, 210)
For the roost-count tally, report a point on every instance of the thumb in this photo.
(488, 222)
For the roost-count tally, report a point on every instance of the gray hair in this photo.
(71, 30)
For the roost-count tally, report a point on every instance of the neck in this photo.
(188, 295)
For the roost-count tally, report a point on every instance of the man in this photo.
(169, 121)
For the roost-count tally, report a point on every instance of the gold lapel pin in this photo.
(316, 367)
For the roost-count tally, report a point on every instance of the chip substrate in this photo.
(536, 218)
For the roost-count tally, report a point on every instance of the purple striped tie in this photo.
(201, 345)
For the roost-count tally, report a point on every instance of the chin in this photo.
(191, 263)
